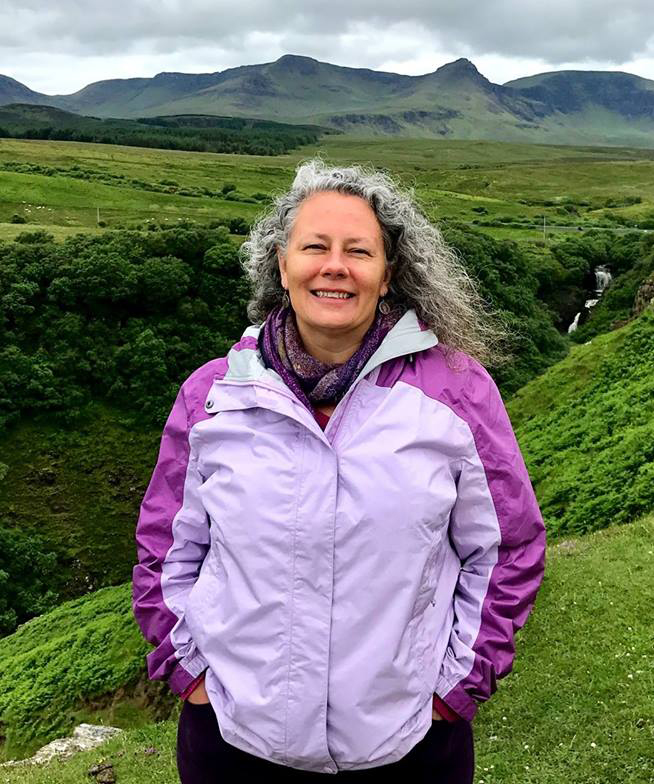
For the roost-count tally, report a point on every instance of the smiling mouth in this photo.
(320, 294)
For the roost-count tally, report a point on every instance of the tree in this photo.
(27, 569)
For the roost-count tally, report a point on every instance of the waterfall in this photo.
(603, 279)
(573, 326)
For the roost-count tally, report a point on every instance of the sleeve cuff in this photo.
(183, 675)
(458, 700)
(192, 686)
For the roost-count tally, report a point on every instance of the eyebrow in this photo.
(326, 237)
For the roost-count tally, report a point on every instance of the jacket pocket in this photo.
(201, 599)
(430, 575)
(425, 614)
(426, 633)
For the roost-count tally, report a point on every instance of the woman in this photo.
(340, 537)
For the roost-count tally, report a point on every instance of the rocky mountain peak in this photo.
(460, 66)
(461, 70)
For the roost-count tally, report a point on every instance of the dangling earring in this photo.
(285, 299)
(384, 307)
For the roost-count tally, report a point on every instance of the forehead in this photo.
(336, 213)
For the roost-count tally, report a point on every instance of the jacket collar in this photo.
(248, 382)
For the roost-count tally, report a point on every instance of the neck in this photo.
(328, 346)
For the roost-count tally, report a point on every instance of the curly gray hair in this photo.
(426, 274)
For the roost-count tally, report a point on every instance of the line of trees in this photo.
(196, 133)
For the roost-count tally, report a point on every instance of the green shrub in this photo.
(34, 237)
(238, 226)
(27, 573)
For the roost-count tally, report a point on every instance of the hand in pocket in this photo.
(435, 715)
(199, 695)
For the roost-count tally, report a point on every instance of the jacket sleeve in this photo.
(497, 531)
(172, 540)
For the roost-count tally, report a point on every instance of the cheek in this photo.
(372, 286)
(301, 275)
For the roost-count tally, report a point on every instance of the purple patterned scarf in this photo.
(315, 382)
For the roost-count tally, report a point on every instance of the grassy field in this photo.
(577, 706)
(461, 180)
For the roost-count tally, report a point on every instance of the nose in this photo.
(334, 264)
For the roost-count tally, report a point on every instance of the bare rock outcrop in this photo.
(644, 296)
(85, 736)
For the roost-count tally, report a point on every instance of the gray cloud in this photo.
(557, 31)
(367, 33)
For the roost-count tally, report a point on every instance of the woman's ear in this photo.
(386, 282)
(281, 261)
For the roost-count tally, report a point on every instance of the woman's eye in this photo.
(316, 246)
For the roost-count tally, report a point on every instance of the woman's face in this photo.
(335, 245)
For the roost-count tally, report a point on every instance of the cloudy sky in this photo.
(63, 45)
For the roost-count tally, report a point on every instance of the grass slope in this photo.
(55, 664)
(80, 489)
(576, 707)
(586, 430)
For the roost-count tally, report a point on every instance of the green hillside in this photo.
(95, 341)
(65, 667)
(12, 91)
(586, 429)
(576, 707)
(570, 91)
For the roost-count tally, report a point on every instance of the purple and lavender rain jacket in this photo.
(331, 582)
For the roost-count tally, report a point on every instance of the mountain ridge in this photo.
(454, 101)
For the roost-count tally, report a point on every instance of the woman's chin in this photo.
(324, 319)
(340, 314)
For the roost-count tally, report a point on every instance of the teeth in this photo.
(336, 294)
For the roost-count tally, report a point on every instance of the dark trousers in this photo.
(444, 756)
